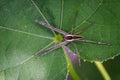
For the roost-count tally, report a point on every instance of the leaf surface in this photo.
(21, 38)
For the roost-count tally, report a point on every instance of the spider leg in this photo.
(85, 28)
(75, 47)
(94, 42)
(73, 24)
(51, 27)
(77, 52)
(45, 51)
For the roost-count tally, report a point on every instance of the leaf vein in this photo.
(90, 15)
(40, 11)
(1, 27)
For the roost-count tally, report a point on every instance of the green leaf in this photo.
(21, 38)
(104, 14)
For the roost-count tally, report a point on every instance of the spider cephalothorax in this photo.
(71, 38)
